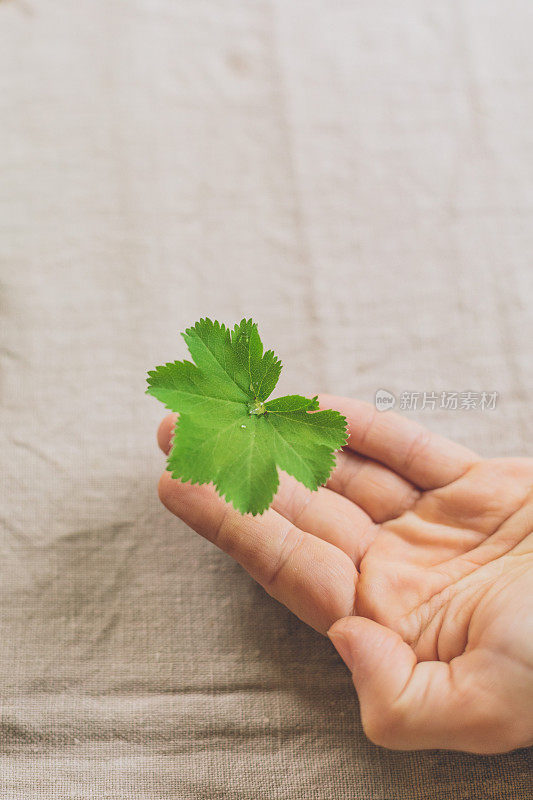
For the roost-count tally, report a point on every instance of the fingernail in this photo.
(342, 646)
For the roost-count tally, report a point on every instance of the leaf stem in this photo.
(257, 408)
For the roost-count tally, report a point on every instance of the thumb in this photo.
(410, 705)
(381, 664)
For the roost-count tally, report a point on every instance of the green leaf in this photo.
(262, 370)
(227, 432)
(291, 402)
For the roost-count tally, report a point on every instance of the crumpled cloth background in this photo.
(358, 177)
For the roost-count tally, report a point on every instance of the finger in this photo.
(311, 577)
(165, 432)
(325, 514)
(381, 493)
(407, 705)
(425, 458)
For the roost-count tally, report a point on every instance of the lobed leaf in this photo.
(228, 433)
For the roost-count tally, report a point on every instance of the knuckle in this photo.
(407, 500)
(294, 539)
(416, 448)
(298, 503)
(369, 425)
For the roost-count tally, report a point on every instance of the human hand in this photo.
(417, 559)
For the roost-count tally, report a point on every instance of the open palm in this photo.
(418, 559)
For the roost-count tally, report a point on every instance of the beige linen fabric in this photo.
(358, 176)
